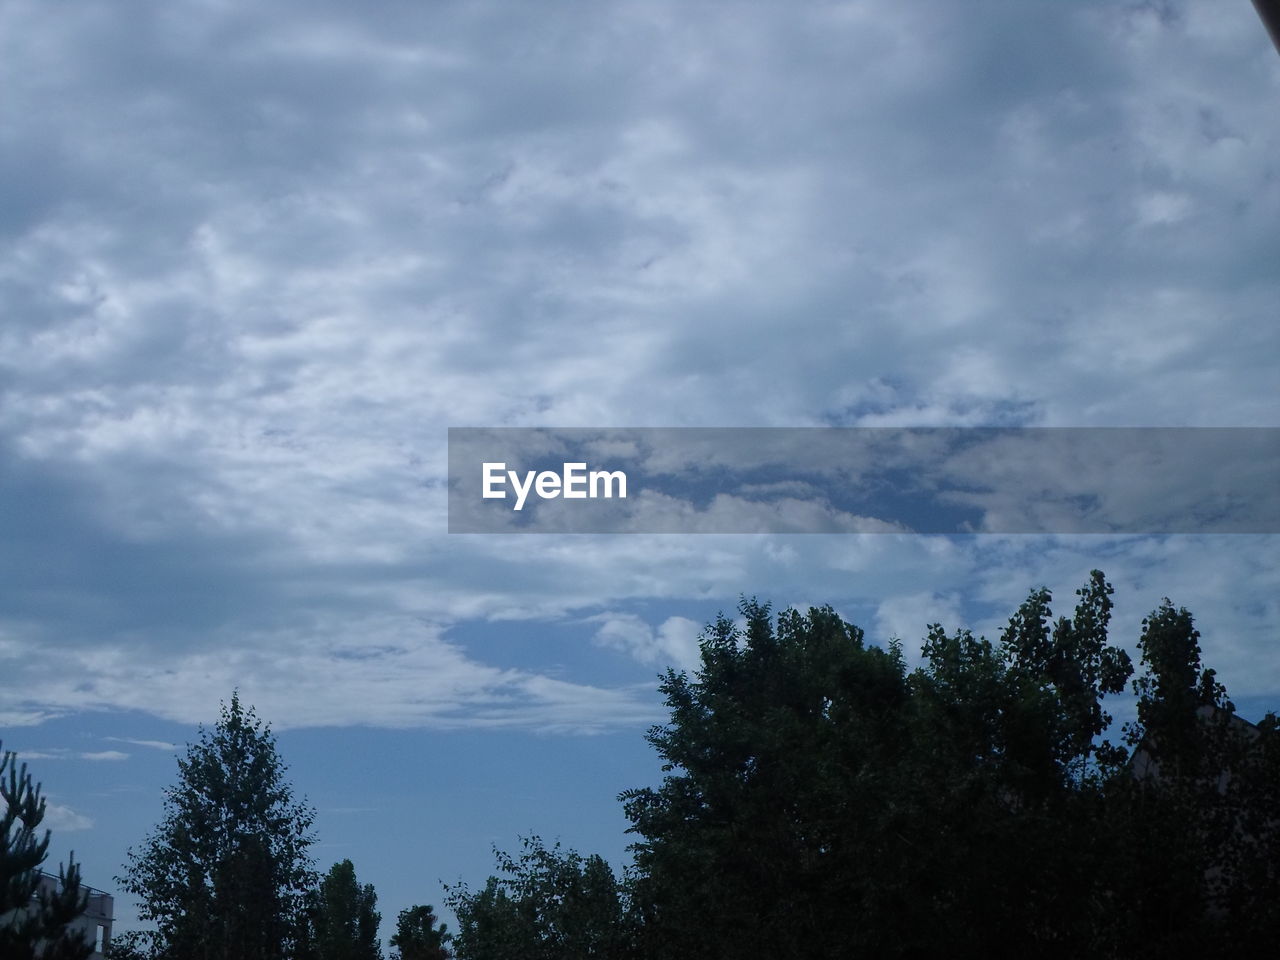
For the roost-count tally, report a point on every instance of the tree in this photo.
(226, 873)
(548, 905)
(772, 816)
(1199, 823)
(1071, 667)
(346, 918)
(131, 945)
(820, 799)
(34, 921)
(417, 936)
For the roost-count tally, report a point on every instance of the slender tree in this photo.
(346, 917)
(226, 873)
(1197, 825)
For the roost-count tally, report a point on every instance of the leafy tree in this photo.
(33, 920)
(347, 917)
(225, 874)
(492, 924)
(131, 945)
(1070, 667)
(549, 905)
(1198, 825)
(776, 758)
(822, 800)
(418, 937)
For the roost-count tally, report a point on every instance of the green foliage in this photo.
(346, 917)
(131, 945)
(1070, 667)
(1174, 687)
(418, 937)
(33, 921)
(226, 873)
(548, 905)
(773, 753)
(821, 800)
(1198, 824)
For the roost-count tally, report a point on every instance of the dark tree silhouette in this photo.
(420, 936)
(347, 918)
(225, 875)
(33, 919)
(821, 799)
(548, 904)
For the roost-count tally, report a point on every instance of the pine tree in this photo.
(33, 921)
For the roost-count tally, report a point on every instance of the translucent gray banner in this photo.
(1123, 480)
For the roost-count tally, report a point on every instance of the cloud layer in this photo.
(259, 257)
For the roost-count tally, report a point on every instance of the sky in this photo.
(257, 259)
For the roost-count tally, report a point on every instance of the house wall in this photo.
(95, 922)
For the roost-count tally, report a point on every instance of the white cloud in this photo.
(246, 299)
(62, 819)
(61, 753)
(906, 616)
(152, 744)
(387, 671)
(58, 817)
(673, 643)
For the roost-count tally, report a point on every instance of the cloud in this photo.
(63, 819)
(260, 257)
(673, 643)
(59, 817)
(24, 718)
(906, 617)
(61, 753)
(152, 744)
(386, 671)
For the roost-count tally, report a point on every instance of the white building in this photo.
(95, 922)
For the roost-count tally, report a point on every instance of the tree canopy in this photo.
(420, 936)
(548, 904)
(821, 799)
(346, 917)
(226, 874)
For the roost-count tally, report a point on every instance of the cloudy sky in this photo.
(256, 259)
